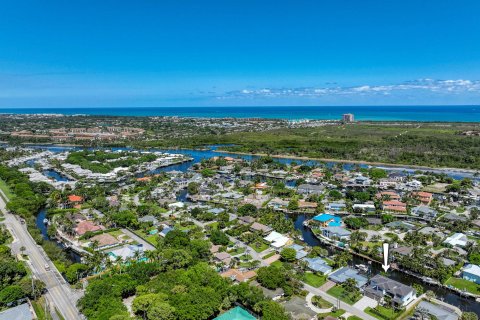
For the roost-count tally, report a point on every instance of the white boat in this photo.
(361, 267)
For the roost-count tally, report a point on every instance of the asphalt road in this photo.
(59, 292)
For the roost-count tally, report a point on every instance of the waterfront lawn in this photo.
(383, 313)
(339, 292)
(313, 279)
(463, 284)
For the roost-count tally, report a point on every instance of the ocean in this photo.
(374, 113)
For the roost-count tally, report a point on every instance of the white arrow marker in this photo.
(385, 265)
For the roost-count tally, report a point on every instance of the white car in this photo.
(47, 267)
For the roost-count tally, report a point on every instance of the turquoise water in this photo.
(376, 113)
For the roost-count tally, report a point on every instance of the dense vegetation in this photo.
(15, 285)
(104, 162)
(175, 283)
(437, 145)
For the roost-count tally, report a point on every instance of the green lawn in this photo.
(277, 264)
(259, 247)
(271, 254)
(334, 314)
(5, 189)
(354, 318)
(321, 303)
(314, 280)
(463, 284)
(382, 313)
(340, 293)
(39, 307)
(236, 251)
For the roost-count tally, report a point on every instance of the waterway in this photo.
(464, 304)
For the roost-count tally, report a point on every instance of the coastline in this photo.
(391, 165)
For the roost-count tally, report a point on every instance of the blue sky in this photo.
(249, 52)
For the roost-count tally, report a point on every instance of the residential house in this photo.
(439, 311)
(423, 197)
(299, 251)
(425, 212)
(277, 240)
(20, 312)
(246, 220)
(471, 272)
(310, 189)
(277, 203)
(388, 195)
(341, 275)
(87, 226)
(394, 206)
(223, 257)
(457, 239)
(318, 265)
(328, 220)
(381, 286)
(148, 219)
(127, 252)
(336, 233)
(238, 276)
(363, 207)
(336, 206)
(306, 205)
(104, 240)
(263, 229)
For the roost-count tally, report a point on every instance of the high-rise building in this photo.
(348, 117)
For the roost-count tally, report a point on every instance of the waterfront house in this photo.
(368, 207)
(439, 311)
(336, 233)
(306, 205)
(471, 272)
(328, 220)
(87, 226)
(381, 286)
(277, 203)
(341, 275)
(336, 206)
(457, 239)
(310, 189)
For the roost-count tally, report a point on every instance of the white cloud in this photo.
(420, 87)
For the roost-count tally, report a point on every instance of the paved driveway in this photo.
(365, 302)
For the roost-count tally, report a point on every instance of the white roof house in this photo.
(277, 240)
(457, 239)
